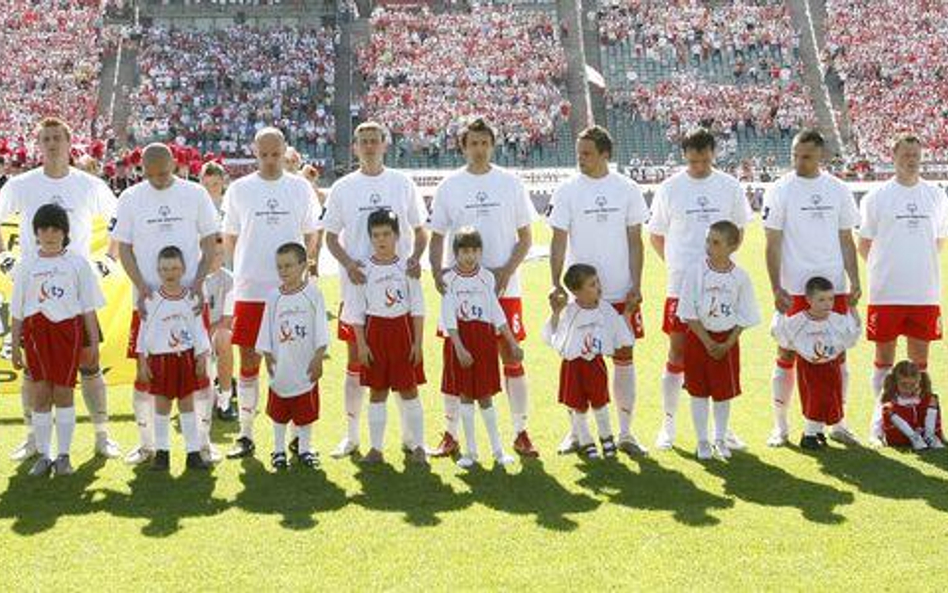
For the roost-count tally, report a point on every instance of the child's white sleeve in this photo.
(145, 327)
(497, 315)
(621, 332)
(689, 296)
(852, 330)
(321, 323)
(449, 319)
(18, 298)
(354, 308)
(264, 343)
(781, 332)
(747, 307)
(90, 294)
(202, 342)
(417, 297)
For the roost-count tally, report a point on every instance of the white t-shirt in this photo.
(219, 294)
(495, 203)
(682, 211)
(721, 301)
(388, 292)
(59, 287)
(171, 326)
(588, 333)
(904, 225)
(293, 328)
(264, 215)
(470, 297)
(83, 196)
(597, 214)
(817, 341)
(149, 220)
(810, 213)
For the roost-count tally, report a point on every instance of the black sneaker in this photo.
(161, 462)
(811, 442)
(195, 461)
(279, 461)
(228, 415)
(821, 438)
(243, 447)
(608, 447)
(309, 459)
(295, 446)
(589, 451)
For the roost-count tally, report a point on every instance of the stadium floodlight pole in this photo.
(577, 83)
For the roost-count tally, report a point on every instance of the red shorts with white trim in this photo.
(247, 318)
(481, 379)
(53, 349)
(671, 324)
(634, 319)
(913, 415)
(706, 377)
(799, 304)
(584, 383)
(821, 390)
(131, 350)
(885, 323)
(301, 409)
(513, 310)
(390, 341)
(174, 375)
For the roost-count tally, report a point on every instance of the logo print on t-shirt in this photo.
(393, 296)
(49, 291)
(469, 311)
(375, 199)
(817, 208)
(914, 219)
(164, 211)
(602, 214)
(59, 201)
(273, 212)
(591, 345)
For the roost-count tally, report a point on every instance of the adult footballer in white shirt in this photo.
(808, 218)
(345, 224)
(495, 202)
(85, 198)
(685, 206)
(597, 217)
(903, 226)
(262, 211)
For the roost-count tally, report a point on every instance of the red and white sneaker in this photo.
(523, 446)
(448, 447)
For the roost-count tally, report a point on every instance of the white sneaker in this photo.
(734, 442)
(778, 438)
(25, 450)
(842, 434)
(501, 458)
(704, 451)
(139, 455)
(106, 447)
(934, 442)
(665, 440)
(722, 450)
(568, 446)
(876, 441)
(467, 462)
(918, 443)
(210, 454)
(344, 449)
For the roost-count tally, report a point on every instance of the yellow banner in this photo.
(114, 318)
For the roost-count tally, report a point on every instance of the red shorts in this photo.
(584, 383)
(885, 323)
(821, 390)
(914, 415)
(53, 349)
(390, 341)
(634, 319)
(131, 350)
(481, 379)
(799, 304)
(247, 318)
(174, 375)
(513, 310)
(301, 409)
(671, 324)
(706, 377)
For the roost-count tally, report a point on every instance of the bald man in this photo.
(160, 211)
(262, 211)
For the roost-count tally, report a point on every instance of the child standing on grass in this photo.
(293, 338)
(910, 411)
(219, 292)
(820, 337)
(717, 303)
(583, 333)
(472, 316)
(173, 351)
(55, 296)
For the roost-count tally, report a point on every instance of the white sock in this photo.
(700, 406)
(623, 384)
(903, 426)
(451, 419)
(407, 437)
(204, 411)
(354, 394)
(844, 380)
(414, 421)
(467, 420)
(43, 431)
(489, 416)
(94, 395)
(671, 389)
(781, 384)
(27, 405)
(876, 383)
(212, 369)
(581, 428)
(722, 413)
(931, 421)
(223, 399)
(812, 427)
(248, 394)
(143, 404)
(189, 429)
(65, 427)
(279, 438)
(162, 432)
(377, 416)
(305, 435)
(602, 422)
(517, 395)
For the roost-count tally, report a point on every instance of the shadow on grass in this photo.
(532, 491)
(415, 492)
(36, 504)
(654, 488)
(297, 494)
(748, 478)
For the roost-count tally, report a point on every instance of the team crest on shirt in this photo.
(602, 209)
(50, 292)
(180, 338)
(816, 208)
(165, 218)
(482, 204)
(823, 352)
(913, 219)
(375, 199)
(290, 332)
(468, 312)
(393, 296)
(703, 209)
(273, 213)
(592, 345)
